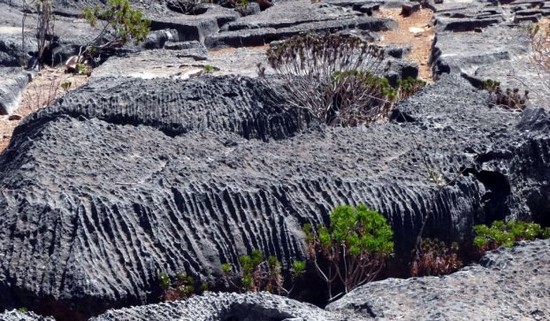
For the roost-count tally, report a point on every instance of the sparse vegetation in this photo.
(118, 23)
(510, 99)
(352, 249)
(22, 310)
(258, 273)
(506, 234)
(435, 258)
(337, 79)
(409, 86)
(321, 72)
(209, 69)
(183, 287)
(44, 27)
(185, 6)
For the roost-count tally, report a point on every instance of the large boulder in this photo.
(509, 284)
(125, 178)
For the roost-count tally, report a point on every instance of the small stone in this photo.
(416, 30)
(15, 117)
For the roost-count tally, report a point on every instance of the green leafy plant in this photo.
(66, 85)
(183, 287)
(409, 86)
(118, 23)
(209, 69)
(258, 273)
(506, 234)
(242, 4)
(352, 249)
(22, 310)
(354, 93)
(490, 84)
(83, 69)
(435, 258)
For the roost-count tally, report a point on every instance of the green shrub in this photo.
(258, 273)
(120, 24)
(409, 86)
(209, 69)
(506, 234)
(354, 247)
(435, 258)
(183, 287)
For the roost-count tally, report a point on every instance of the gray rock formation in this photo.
(13, 51)
(125, 178)
(12, 83)
(509, 284)
(228, 306)
(499, 52)
(290, 18)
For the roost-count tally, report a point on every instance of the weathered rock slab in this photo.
(509, 284)
(228, 306)
(289, 18)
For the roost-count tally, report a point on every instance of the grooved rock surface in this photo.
(124, 178)
(509, 284)
(228, 306)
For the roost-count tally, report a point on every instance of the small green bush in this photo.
(506, 234)
(353, 248)
(258, 273)
(209, 69)
(120, 24)
(434, 257)
(183, 287)
(409, 86)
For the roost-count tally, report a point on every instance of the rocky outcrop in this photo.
(509, 284)
(498, 50)
(290, 18)
(228, 306)
(125, 178)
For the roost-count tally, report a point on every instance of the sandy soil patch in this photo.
(48, 85)
(416, 31)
